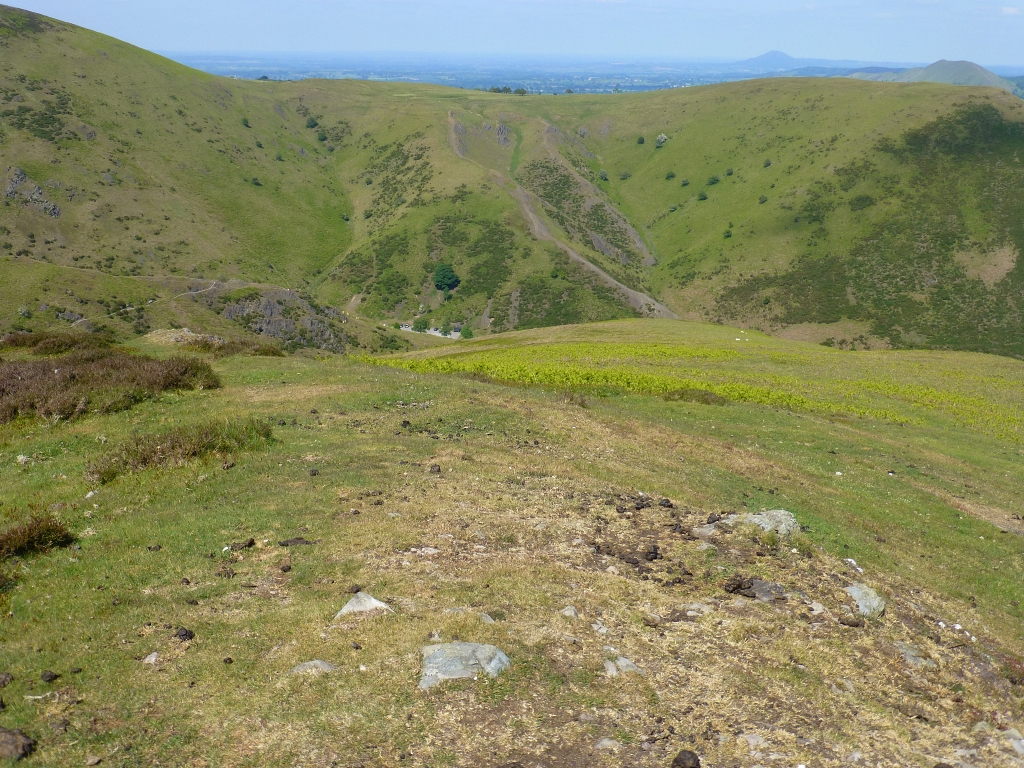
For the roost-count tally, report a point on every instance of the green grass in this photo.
(868, 227)
(504, 512)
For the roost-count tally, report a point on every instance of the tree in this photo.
(684, 183)
(728, 171)
(640, 140)
(245, 121)
(713, 180)
(702, 195)
(420, 324)
(767, 163)
(446, 328)
(762, 200)
(670, 175)
(312, 123)
(568, 90)
(519, 91)
(603, 175)
(466, 333)
(445, 278)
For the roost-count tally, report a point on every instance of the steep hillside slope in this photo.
(857, 212)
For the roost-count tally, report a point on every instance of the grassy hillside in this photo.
(902, 471)
(852, 213)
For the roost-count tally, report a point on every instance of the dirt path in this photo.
(639, 301)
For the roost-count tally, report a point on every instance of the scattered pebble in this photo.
(48, 676)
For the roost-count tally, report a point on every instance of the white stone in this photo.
(362, 602)
(610, 669)
(869, 603)
(607, 744)
(570, 612)
(152, 658)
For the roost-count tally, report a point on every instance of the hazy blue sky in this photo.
(890, 30)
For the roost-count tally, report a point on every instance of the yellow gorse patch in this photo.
(658, 369)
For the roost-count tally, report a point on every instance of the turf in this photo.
(532, 482)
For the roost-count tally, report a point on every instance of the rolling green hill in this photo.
(851, 213)
(949, 72)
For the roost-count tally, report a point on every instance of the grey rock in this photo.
(914, 657)
(486, 619)
(774, 520)
(610, 669)
(686, 759)
(869, 602)
(452, 661)
(626, 666)
(316, 666)
(604, 744)
(570, 612)
(705, 531)
(15, 745)
(766, 591)
(362, 602)
(152, 658)
(752, 740)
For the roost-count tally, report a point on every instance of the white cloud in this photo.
(1009, 10)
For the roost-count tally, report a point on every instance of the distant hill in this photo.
(140, 194)
(949, 72)
(777, 61)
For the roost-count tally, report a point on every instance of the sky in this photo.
(989, 33)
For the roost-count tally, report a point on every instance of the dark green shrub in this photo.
(445, 278)
(176, 446)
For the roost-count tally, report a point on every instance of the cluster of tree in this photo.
(506, 89)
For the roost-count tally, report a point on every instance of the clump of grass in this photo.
(50, 343)
(177, 446)
(219, 348)
(40, 534)
(93, 380)
(695, 395)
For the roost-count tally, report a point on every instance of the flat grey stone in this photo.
(570, 612)
(626, 666)
(913, 656)
(869, 602)
(774, 520)
(361, 602)
(152, 658)
(705, 531)
(766, 591)
(312, 667)
(607, 744)
(486, 619)
(610, 669)
(452, 661)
